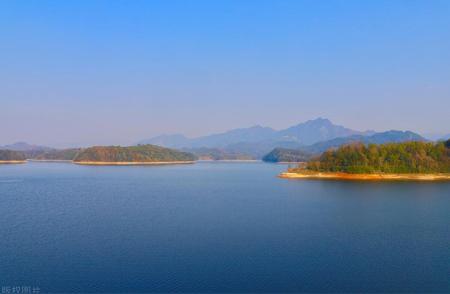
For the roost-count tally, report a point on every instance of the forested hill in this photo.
(140, 153)
(408, 157)
(63, 154)
(217, 154)
(11, 155)
(287, 155)
(377, 138)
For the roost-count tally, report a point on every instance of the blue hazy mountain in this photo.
(436, 136)
(23, 146)
(221, 140)
(170, 141)
(305, 133)
(312, 136)
(283, 154)
(28, 150)
(248, 135)
(316, 130)
(377, 138)
(444, 138)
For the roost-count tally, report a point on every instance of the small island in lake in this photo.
(133, 155)
(394, 161)
(10, 156)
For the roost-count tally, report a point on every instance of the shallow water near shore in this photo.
(209, 227)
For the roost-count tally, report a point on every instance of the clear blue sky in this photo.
(103, 72)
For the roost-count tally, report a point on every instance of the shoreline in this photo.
(229, 160)
(124, 163)
(49, 160)
(365, 177)
(12, 161)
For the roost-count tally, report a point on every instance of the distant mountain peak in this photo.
(316, 130)
(320, 119)
(306, 133)
(392, 136)
(256, 127)
(257, 139)
(167, 140)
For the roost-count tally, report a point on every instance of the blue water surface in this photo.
(218, 227)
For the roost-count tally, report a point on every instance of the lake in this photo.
(218, 227)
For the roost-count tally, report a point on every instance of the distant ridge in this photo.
(257, 141)
(23, 146)
(317, 148)
(28, 150)
(316, 130)
(436, 136)
(305, 133)
(252, 134)
(392, 136)
(444, 138)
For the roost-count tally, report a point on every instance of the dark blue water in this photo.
(212, 227)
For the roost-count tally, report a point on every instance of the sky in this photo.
(116, 72)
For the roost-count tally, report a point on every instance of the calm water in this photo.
(218, 227)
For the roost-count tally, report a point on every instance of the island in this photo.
(11, 157)
(420, 161)
(132, 155)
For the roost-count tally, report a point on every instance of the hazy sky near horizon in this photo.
(115, 72)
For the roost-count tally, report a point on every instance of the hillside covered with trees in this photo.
(286, 155)
(217, 154)
(62, 154)
(407, 157)
(140, 153)
(11, 155)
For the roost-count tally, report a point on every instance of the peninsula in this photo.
(133, 155)
(417, 161)
(10, 157)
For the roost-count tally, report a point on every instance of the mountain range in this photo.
(444, 138)
(22, 146)
(29, 150)
(305, 133)
(377, 138)
(312, 136)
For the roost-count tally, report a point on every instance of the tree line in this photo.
(407, 157)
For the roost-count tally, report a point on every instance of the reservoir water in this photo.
(218, 227)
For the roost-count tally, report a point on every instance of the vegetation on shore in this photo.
(218, 154)
(63, 154)
(286, 155)
(392, 158)
(10, 155)
(140, 153)
(296, 154)
(306, 174)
